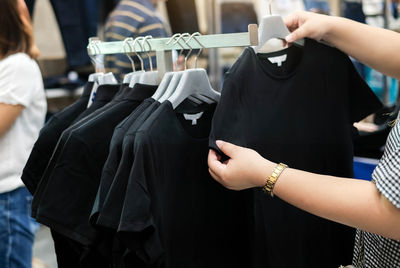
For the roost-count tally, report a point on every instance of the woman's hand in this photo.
(245, 168)
(307, 24)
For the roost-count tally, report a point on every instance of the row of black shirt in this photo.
(125, 183)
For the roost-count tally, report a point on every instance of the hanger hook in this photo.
(191, 49)
(126, 42)
(146, 40)
(101, 63)
(270, 7)
(92, 47)
(177, 36)
(134, 49)
(201, 45)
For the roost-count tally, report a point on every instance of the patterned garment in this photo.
(376, 251)
(131, 18)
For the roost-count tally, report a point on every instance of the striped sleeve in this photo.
(387, 174)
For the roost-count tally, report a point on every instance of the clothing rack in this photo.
(164, 46)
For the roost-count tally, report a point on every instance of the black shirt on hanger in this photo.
(174, 213)
(104, 94)
(48, 137)
(300, 113)
(110, 196)
(106, 97)
(67, 201)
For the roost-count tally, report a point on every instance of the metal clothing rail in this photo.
(163, 46)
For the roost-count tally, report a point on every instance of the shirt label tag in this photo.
(278, 60)
(193, 117)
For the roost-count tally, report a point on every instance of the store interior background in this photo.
(209, 19)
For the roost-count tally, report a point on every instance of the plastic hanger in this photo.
(128, 76)
(99, 68)
(167, 76)
(176, 76)
(107, 79)
(149, 77)
(272, 26)
(135, 78)
(194, 82)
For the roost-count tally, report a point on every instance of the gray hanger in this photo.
(272, 26)
(194, 82)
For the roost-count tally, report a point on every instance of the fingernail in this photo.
(289, 38)
(219, 143)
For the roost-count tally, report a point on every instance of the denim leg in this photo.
(17, 229)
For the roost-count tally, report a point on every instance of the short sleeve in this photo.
(387, 174)
(19, 78)
(137, 227)
(362, 100)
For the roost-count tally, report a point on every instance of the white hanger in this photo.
(135, 78)
(107, 79)
(149, 77)
(98, 66)
(175, 76)
(128, 76)
(167, 78)
(272, 26)
(194, 82)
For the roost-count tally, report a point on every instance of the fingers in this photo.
(216, 167)
(291, 21)
(227, 148)
(297, 34)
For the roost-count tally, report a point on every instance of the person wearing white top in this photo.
(22, 114)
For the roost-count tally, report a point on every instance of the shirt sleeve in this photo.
(229, 111)
(362, 100)
(387, 174)
(137, 227)
(17, 80)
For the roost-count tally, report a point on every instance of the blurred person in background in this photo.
(131, 18)
(22, 113)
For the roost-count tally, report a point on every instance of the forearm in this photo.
(8, 114)
(352, 202)
(373, 46)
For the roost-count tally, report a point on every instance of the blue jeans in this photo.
(17, 229)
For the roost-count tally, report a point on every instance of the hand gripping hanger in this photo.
(272, 26)
(193, 82)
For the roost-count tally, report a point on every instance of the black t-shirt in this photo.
(300, 114)
(48, 137)
(104, 94)
(110, 196)
(174, 213)
(106, 97)
(67, 201)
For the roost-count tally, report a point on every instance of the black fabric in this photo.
(174, 213)
(105, 94)
(67, 255)
(110, 196)
(48, 137)
(73, 183)
(300, 114)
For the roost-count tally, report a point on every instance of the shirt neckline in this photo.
(281, 76)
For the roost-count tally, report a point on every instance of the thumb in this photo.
(227, 148)
(297, 34)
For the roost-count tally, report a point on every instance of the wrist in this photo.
(266, 171)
